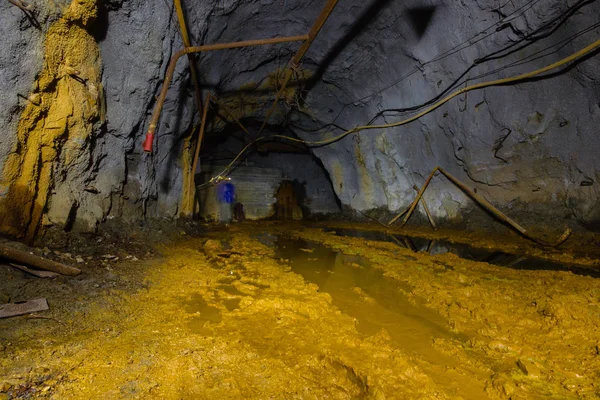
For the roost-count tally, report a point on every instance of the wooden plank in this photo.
(35, 272)
(23, 307)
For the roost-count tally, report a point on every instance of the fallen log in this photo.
(23, 257)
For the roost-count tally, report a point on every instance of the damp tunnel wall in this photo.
(73, 120)
(260, 176)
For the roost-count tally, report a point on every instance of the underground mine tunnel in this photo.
(285, 199)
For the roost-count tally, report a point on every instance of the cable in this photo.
(532, 57)
(551, 25)
(458, 82)
(581, 53)
(482, 85)
(462, 46)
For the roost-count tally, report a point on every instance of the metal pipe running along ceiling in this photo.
(307, 39)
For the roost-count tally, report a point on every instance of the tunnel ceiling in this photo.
(530, 148)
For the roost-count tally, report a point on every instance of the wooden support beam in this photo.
(23, 257)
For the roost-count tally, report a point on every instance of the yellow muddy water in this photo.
(293, 312)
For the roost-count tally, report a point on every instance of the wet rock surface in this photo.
(289, 310)
(530, 149)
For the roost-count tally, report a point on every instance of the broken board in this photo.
(34, 272)
(23, 307)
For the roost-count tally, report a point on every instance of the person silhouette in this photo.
(226, 196)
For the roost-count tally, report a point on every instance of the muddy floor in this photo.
(265, 310)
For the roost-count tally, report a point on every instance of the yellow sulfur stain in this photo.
(253, 97)
(55, 127)
(337, 176)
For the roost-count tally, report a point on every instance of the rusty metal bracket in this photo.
(295, 61)
(198, 49)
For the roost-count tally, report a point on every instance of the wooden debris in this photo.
(484, 204)
(23, 257)
(23, 307)
(23, 5)
(410, 207)
(35, 316)
(397, 217)
(409, 244)
(374, 219)
(39, 274)
(424, 203)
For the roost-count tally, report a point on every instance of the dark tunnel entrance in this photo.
(272, 180)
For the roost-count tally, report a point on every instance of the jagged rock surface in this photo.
(530, 148)
(20, 60)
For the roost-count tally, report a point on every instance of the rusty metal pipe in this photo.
(198, 147)
(198, 49)
(295, 61)
(314, 30)
(185, 38)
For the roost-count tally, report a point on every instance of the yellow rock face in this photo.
(55, 128)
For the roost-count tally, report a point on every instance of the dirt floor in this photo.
(296, 311)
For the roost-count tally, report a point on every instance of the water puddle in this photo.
(228, 280)
(375, 301)
(468, 252)
(232, 304)
(230, 289)
(256, 284)
(207, 315)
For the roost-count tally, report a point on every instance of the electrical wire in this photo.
(550, 26)
(544, 31)
(458, 82)
(556, 47)
(461, 46)
(482, 85)
(504, 81)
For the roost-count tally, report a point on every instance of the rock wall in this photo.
(529, 148)
(78, 84)
(311, 179)
(136, 48)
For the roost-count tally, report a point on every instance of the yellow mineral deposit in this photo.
(289, 311)
(309, 302)
(365, 178)
(54, 128)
